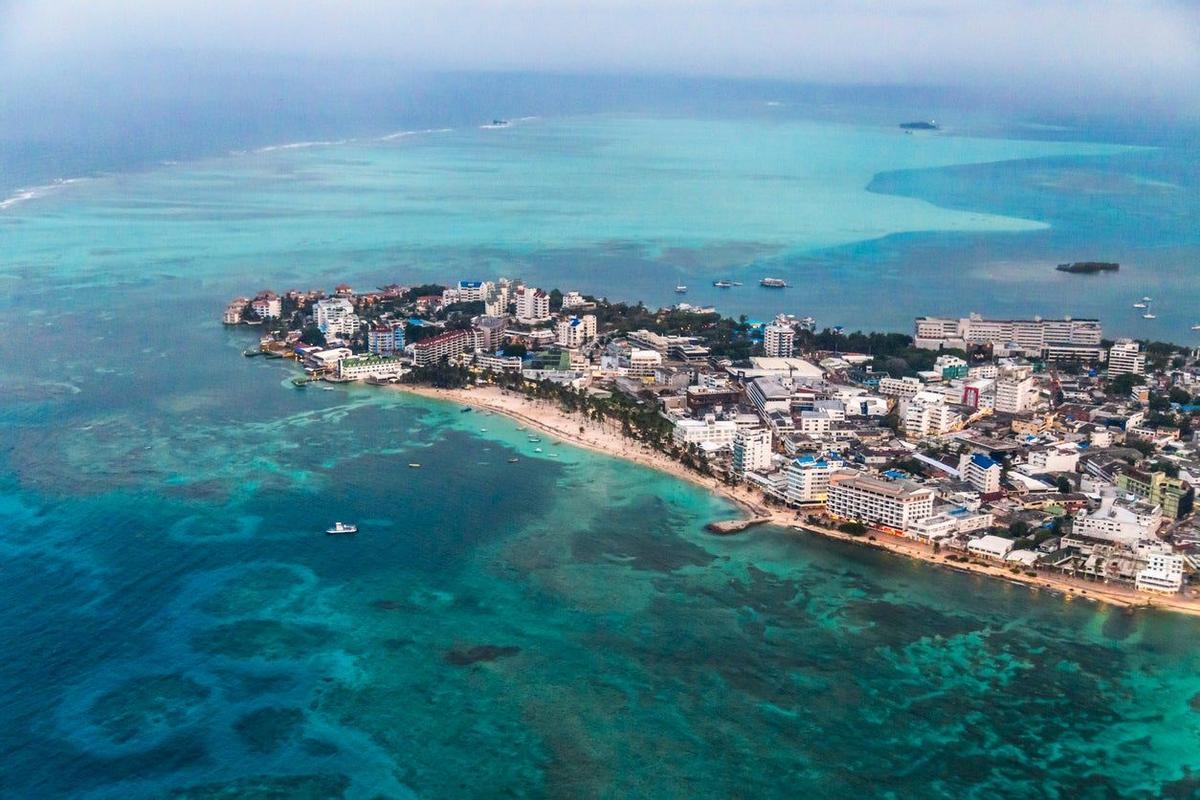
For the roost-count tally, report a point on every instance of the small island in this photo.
(1088, 267)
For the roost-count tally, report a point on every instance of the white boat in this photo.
(1148, 315)
(1139, 305)
(1196, 327)
(414, 466)
(342, 528)
(680, 289)
(537, 449)
(1145, 299)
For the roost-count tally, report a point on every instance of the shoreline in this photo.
(603, 438)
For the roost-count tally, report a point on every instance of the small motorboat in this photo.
(680, 289)
(340, 528)
(513, 460)
(1148, 315)
(1139, 305)
(1196, 327)
(465, 411)
(414, 466)
(537, 449)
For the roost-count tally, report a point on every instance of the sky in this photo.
(1108, 51)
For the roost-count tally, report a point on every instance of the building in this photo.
(385, 340)
(928, 415)
(1014, 395)
(498, 363)
(894, 504)
(779, 338)
(1163, 573)
(808, 479)
(1125, 358)
(575, 331)
(467, 292)
(1055, 458)
(993, 547)
(1124, 524)
(267, 306)
(903, 388)
(335, 316)
(233, 311)
(533, 305)
(981, 472)
(1173, 495)
(751, 450)
(1060, 339)
(574, 300)
(709, 432)
(491, 331)
(372, 366)
(443, 346)
(642, 363)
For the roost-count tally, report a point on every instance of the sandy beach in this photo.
(547, 417)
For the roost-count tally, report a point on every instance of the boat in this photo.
(537, 449)
(1145, 299)
(483, 430)
(534, 439)
(921, 125)
(773, 283)
(342, 528)
(1196, 327)
(1148, 315)
(513, 460)
(414, 466)
(680, 289)
(520, 427)
(1139, 305)
(723, 284)
(465, 411)
(301, 382)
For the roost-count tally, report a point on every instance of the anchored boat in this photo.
(340, 528)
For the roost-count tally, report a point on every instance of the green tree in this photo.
(312, 335)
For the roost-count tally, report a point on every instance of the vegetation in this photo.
(441, 375)
(852, 528)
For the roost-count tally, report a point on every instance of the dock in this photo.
(729, 527)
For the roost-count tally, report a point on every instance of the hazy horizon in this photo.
(1119, 56)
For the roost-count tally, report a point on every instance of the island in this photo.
(1032, 450)
(1088, 267)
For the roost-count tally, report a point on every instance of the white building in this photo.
(359, 367)
(928, 415)
(1065, 337)
(1124, 524)
(467, 292)
(818, 423)
(642, 363)
(708, 432)
(981, 472)
(335, 316)
(575, 331)
(891, 504)
(573, 300)
(808, 479)
(903, 388)
(1125, 358)
(994, 547)
(267, 306)
(233, 311)
(751, 450)
(946, 524)
(1015, 395)
(1163, 573)
(1062, 457)
(779, 338)
(384, 340)
(533, 305)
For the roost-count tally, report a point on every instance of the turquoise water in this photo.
(177, 625)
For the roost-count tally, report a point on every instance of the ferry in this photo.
(773, 283)
(680, 289)
(342, 528)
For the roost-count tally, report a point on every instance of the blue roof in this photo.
(895, 474)
(470, 284)
(982, 461)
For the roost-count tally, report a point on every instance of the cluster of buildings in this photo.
(1008, 447)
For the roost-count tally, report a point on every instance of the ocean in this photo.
(178, 625)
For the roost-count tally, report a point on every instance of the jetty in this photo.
(728, 527)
